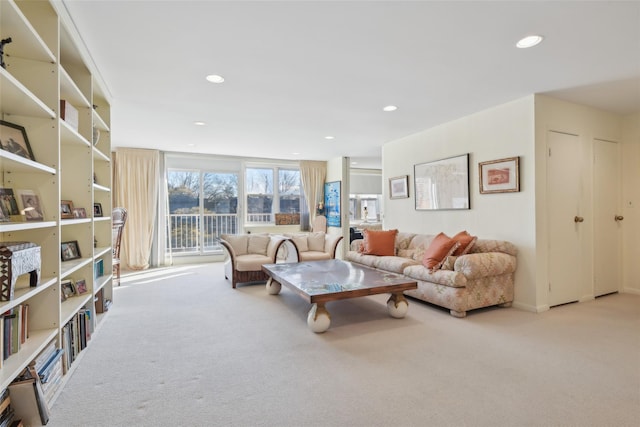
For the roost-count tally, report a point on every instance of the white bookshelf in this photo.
(45, 63)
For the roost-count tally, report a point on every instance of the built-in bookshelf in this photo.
(51, 93)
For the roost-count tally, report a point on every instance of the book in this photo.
(27, 398)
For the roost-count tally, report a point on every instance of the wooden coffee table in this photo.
(322, 281)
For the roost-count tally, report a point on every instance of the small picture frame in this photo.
(79, 213)
(66, 209)
(30, 205)
(70, 250)
(67, 290)
(13, 138)
(97, 210)
(500, 176)
(399, 187)
(81, 287)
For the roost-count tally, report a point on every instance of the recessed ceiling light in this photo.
(191, 145)
(214, 78)
(529, 41)
(354, 163)
(329, 137)
(295, 154)
(199, 123)
(390, 108)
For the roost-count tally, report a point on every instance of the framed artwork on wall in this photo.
(499, 176)
(332, 203)
(442, 184)
(399, 187)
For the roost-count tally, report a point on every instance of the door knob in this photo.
(578, 219)
(618, 217)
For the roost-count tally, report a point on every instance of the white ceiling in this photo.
(297, 71)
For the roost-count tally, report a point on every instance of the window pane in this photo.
(289, 190)
(184, 210)
(259, 181)
(220, 192)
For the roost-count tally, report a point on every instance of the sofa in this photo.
(314, 246)
(246, 255)
(480, 274)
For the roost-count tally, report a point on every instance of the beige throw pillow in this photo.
(258, 244)
(300, 241)
(316, 241)
(238, 243)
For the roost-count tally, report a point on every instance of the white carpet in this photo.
(180, 347)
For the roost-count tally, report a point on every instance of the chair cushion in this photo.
(239, 243)
(316, 241)
(314, 256)
(252, 262)
(258, 244)
(300, 240)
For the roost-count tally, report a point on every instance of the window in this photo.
(365, 207)
(202, 205)
(271, 190)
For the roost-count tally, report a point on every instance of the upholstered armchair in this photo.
(246, 255)
(315, 246)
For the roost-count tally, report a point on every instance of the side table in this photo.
(17, 258)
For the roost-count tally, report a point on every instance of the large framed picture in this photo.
(70, 250)
(442, 184)
(332, 203)
(399, 187)
(499, 176)
(13, 138)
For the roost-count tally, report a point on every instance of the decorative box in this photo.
(287, 218)
(69, 114)
(17, 258)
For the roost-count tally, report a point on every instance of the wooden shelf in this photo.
(16, 99)
(25, 40)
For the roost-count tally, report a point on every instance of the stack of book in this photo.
(75, 336)
(14, 330)
(48, 365)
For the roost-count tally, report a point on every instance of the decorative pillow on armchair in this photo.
(378, 242)
(440, 248)
(258, 244)
(239, 243)
(315, 241)
(300, 241)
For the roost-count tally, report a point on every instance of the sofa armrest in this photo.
(487, 264)
(331, 243)
(355, 245)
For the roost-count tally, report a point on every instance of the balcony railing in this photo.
(186, 237)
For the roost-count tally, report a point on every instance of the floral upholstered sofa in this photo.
(462, 276)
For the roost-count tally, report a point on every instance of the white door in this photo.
(564, 216)
(607, 217)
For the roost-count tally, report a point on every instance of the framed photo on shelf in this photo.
(399, 187)
(97, 210)
(70, 250)
(500, 176)
(30, 205)
(66, 209)
(79, 213)
(8, 202)
(81, 286)
(67, 289)
(13, 138)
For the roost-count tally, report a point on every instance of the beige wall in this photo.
(503, 131)
(631, 203)
(519, 128)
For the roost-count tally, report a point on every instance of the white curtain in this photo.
(136, 177)
(313, 174)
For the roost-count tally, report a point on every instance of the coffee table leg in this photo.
(273, 287)
(318, 319)
(397, 305)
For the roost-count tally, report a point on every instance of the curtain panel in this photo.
(312, 175)
(136, 178)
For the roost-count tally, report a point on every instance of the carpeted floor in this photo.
(180, 347)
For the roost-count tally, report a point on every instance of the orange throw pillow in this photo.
(379, 242)
(466, 241)
(440, 248)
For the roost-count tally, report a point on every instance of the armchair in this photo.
(315, 246)
(246, 255)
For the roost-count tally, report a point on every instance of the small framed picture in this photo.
(70, 250)
(500, 176)
(66, 209)
(97, 209)
(30, 205)
(67, 289)
(399, 187)
(81, 286)
(79, 213)
(13, 138)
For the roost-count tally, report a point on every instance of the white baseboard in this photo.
(631, 291)
(531, 308)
